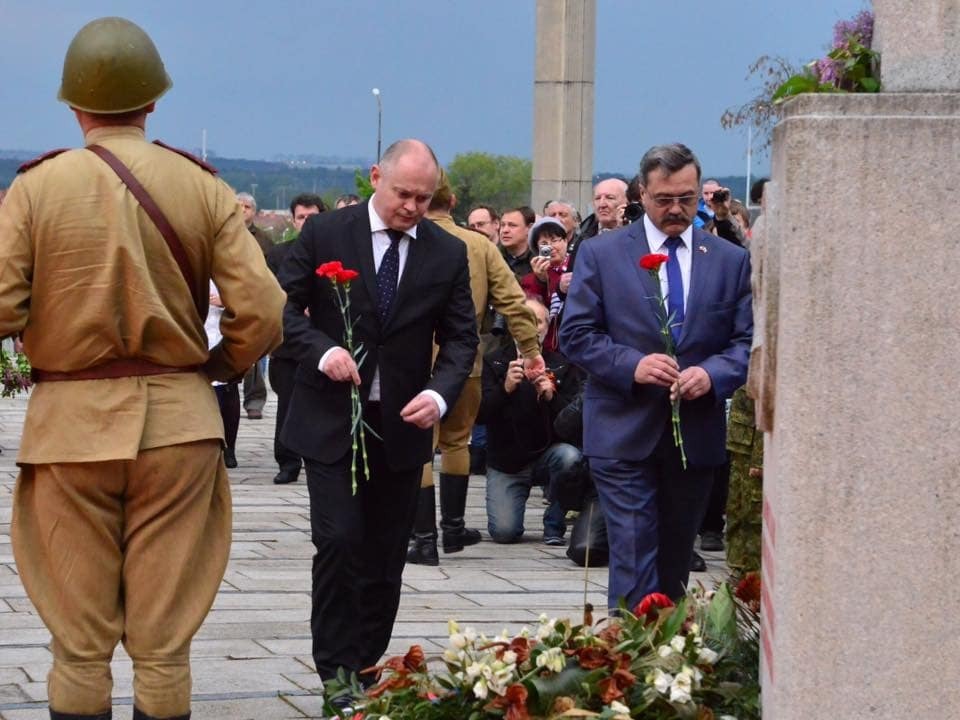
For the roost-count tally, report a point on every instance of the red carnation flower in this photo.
(653, 261)
(345, 276)
(651, 604)
(330, 269)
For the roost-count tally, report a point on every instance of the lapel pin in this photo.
(702, 248)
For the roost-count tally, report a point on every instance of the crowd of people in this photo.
(534, 347)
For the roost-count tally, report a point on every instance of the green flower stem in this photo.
(672, 352)
(358, 444)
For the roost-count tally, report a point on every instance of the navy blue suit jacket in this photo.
(610, 322)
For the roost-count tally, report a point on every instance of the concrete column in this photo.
(563, 102)
(861, 539)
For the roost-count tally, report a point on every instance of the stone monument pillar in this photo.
(861, 539)
(563, 102)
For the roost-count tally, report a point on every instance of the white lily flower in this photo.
(510, 657)
(619, 707)
(661, 681)
(707, 656)
(678, 643)
(480, 690)
(680, 688)
(665, 651)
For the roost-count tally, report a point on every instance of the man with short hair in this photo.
(652, 499)
(484, 219)
(249, 206)
(566, 212)
(413, 288)
(121, 517)
(609, 199)
(515, 225)
(283, 361)
(346, 201)
(254, 385)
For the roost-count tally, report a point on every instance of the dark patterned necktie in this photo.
(387, 275)
(674, 289)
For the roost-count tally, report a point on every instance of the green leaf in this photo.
(870, 84)
(544, 689)
(671, 626)
(721, 621)
(794, 86)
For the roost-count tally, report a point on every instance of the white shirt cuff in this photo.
(437, 399)
(323, 358)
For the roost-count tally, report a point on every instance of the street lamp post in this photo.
(376, 94)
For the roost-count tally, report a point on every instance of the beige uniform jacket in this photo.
(492, 282)
(87, 277)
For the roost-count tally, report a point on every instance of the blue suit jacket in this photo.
(610, 322)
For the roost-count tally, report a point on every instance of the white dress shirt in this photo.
(381, 243)
(656, 239)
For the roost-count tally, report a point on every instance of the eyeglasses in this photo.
(550, 241)
(666, 202)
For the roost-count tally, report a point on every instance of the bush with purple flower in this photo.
(850, 66)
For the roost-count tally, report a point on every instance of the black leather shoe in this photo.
(286, 476)
(697, 563)
(230, 458)
(711, 541)
(423, 549)
(54, 715)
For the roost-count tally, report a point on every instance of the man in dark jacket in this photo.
(522, 448)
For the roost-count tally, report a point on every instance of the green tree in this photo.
(501, 181)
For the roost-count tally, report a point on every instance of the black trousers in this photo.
(281, 372)
(361, 547)
(228, 396)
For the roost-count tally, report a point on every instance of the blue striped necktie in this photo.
(674, 289)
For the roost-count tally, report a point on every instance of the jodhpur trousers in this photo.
(123, 550)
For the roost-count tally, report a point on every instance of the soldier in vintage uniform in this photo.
(121, 518)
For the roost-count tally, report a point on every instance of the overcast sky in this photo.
(284, 77)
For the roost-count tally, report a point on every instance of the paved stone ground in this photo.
(251, 658)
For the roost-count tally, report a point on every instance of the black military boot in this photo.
(54, 715)
(423, 548)
(139, 714)
(453, 504)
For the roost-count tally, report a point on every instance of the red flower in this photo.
(515, 702)
(653, 261)
(748, 590)
(651, 604)
(330, 269)
(611, 688)
(345, 276)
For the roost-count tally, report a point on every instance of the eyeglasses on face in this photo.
(663, 201)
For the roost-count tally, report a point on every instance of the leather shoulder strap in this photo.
(189, 156)
(159, 219)
(37, 160)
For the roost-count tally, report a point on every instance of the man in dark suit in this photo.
(611, 329)
(414, 286)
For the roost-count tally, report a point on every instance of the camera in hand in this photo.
(632, 212)
(721, 196)
(546, 251)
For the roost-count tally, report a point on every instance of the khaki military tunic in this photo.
(491, 280)
(87, 278)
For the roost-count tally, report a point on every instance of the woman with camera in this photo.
(549, 277)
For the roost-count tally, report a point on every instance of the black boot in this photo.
(138, 714)
(423, 549)
(453, 504)
(54, 715)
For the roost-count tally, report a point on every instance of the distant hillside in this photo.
(276, 182)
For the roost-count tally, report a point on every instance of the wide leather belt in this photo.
(124, 367)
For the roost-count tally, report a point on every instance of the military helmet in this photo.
(112, 66)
